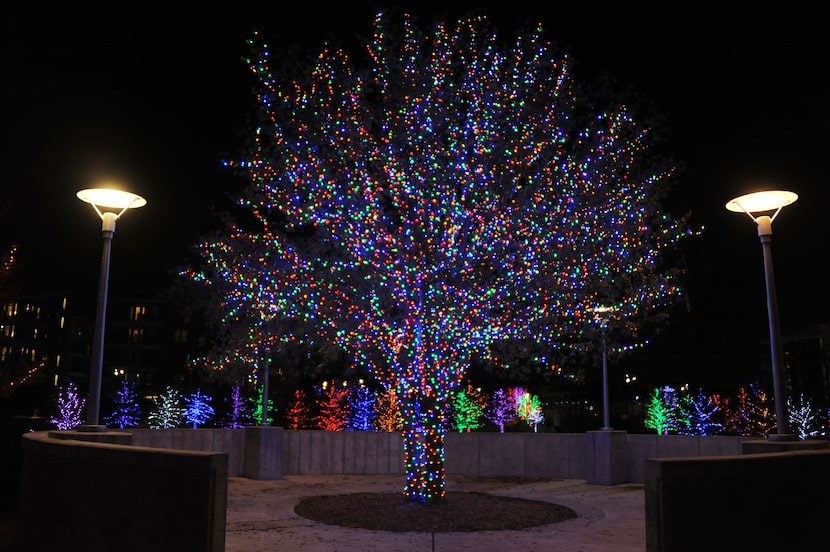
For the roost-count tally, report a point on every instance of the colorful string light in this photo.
(450, 195)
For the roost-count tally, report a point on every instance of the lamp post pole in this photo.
(770, 201)
(103, 197)
(606, 406)
(267, 316)
(602, 314)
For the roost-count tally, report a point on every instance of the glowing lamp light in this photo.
(111, 198)
(108, 198)
(771, 200)
(765, 202)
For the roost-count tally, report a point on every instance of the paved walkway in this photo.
(260, 517)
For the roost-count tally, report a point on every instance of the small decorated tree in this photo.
(805, 420)
(501, 410)
(389, 411)
(529, 409)
(700, 413)
(168, 411)
(298, 415)
(127, 411)
(239, 411)
(662, 410)
(468, 406)
(70, 408)
(198, 410)
(333, 403)
(362, 411)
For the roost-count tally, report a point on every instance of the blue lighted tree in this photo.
(362, 408)
(70, 408)
(453, 193)
(198, 410)
(700, 413)
(127, 411)
(168, 410)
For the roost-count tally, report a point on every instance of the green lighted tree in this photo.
(468, 406)
(662, 410)
(452, 193)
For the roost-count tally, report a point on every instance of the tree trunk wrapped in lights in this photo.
(443, 196)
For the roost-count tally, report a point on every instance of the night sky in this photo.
(157, 101)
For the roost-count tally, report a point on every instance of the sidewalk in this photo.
(260, 517)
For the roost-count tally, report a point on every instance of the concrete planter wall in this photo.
(605, 458)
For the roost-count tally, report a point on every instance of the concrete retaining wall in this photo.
(94, 496)
(599, 457)
(774, 501)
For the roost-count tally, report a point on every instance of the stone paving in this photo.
(260, 517)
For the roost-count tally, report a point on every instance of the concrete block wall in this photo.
(772, 501)
(313, 452)
(92, 496)
(557, 455)
(229, 441)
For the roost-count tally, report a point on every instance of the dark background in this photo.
(157, 100)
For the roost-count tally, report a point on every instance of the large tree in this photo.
(443, 194)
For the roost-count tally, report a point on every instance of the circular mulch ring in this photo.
(458, 512)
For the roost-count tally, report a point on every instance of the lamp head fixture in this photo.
(770, 200)
(111, 198)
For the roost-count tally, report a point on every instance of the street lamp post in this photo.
(602, 314)
(770, 201)
(267, 316)
(120, 201)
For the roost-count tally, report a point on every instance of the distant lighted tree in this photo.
(751, 413)
(70, 408)
(662, 410)
(127, 411)
(529, 409)
(198, 410)
(239, 409)
(535, 417)
(468, 407)
(298, 415)
(501, 409)
(452, 193)
(168, 410)
(362, 408)
(333, 406)
(256, 407)
(807, 422)
(388, 411)
(700, 414)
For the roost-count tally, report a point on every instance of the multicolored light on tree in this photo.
(452, 194)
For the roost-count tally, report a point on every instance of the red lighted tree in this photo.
(333, 405)
(449, 193)
(298, 415)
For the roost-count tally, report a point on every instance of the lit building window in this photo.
(135, 335)
(180, 336)
(138, 313)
